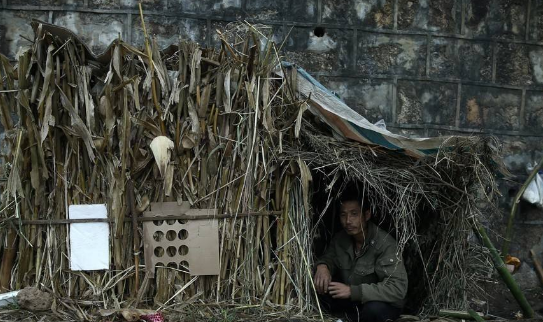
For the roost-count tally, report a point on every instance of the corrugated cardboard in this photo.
(199, 237)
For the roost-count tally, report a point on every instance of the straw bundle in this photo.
(431, 205)
(242, 144)
(86, 130)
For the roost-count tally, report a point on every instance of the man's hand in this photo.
(339, 290)
(322, 279)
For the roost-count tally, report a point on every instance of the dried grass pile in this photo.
(241, 144)
(431, 205)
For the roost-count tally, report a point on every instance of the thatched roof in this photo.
(244, 141)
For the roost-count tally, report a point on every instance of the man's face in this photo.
(352, 219)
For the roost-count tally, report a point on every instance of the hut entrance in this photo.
(326, 223)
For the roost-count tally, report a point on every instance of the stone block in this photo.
(266, 10)
(410, 133)
(231, 8)
(169, 30)
(432, 133)
(422, 102)
(490, 108)
(496, 18)
(407, 13)
(146, 5)
(13, 25)
(535, 28)
(445, 15)
(97, 30)
(367, 13)
(104, 4)
(43, 3)
(513, 64)
(431, 15)
(533, 113)
(330, 53)
(535, 54)
(371, 99)
(391, 54)
(518, 151)
(273, 32)
(302, 11)
(461, 59)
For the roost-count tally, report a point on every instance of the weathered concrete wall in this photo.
(427, 67)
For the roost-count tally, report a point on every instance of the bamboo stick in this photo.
(152, 69)
(475, 316)
(465, 315)
(8, 257)
(136, 243)
(48, 222)
(504, 273)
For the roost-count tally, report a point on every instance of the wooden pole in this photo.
(8, 258)
(135, 240)
(152, 70)
(159, 216)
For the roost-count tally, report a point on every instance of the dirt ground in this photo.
(205, 313)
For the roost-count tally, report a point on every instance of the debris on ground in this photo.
(9, 298)
(32, 299)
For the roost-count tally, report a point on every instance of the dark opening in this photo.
(319, 31)
(328, 224)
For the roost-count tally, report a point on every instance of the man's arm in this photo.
(325, 268)
(392, 276)
(328, 257)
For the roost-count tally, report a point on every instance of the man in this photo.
(360, 273)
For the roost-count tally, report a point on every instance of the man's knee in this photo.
(379, 312)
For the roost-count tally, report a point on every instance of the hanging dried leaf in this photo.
(162, 147)
(227, 98)
(78, 124)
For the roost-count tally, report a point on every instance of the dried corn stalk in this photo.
(231, 136)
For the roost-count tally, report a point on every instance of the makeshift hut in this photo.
(258, 143)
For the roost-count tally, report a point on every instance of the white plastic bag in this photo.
(534, 192)
(381, 124)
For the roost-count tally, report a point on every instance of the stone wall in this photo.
(427, 67)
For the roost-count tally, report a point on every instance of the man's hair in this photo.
(357, 196)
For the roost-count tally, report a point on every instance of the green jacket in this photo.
(378, 274)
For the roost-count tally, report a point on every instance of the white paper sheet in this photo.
(89, 242)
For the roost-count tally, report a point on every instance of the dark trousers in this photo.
(357, 312)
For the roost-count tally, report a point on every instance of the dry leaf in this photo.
(162, 147)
